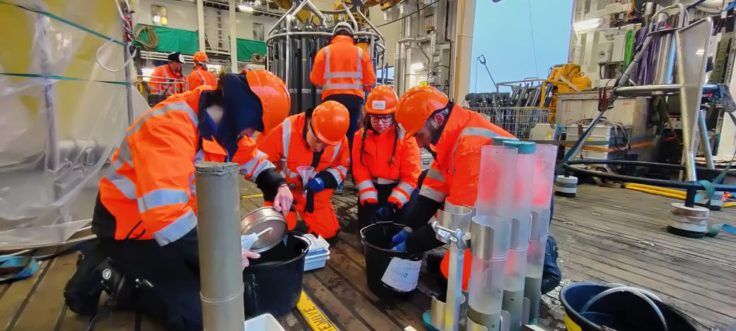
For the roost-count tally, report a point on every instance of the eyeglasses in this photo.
(382, 118)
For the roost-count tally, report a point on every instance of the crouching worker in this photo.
(313, 140)
(385, 162)
(455, 136)
(146, 216)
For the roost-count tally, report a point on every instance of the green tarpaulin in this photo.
(247, 47)
(173, 40)
(185, 41)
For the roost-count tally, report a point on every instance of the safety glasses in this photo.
(381, 118)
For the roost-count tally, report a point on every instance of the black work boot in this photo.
(82, 291)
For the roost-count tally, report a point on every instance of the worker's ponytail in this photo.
(366, 126)
(396, 139)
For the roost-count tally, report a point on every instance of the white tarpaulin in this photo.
(62, 113)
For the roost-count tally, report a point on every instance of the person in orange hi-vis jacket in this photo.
(345, 73)
(200, 75)
(167, 79)
(145, 216)
(386, 164)
(454, 136)
(314, 140)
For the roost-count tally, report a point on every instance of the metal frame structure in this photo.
(692, 42)
(292, 46)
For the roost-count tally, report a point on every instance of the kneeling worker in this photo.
(315, 138)
(146, 216)
(455, 136)
(385, 162)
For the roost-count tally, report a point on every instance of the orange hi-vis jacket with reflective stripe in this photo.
(380, 166)
(287, 148)
(150, 189)
(199, 77)
(342, 68)
(453, 175)
(165, 82)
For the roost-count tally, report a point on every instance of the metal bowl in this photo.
(261, 219)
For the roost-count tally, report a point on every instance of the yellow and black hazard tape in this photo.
(316, 319)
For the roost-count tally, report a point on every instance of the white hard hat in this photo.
(343, 26)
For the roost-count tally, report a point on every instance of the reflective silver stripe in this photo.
(286, 138)
(116, 165)
(192, 185)
(436, 175)
(177, 229)
(357, 75)
(175, 106)
(432, 193)
(331, 86)
(343, 171)
(123, 184)
(369, 195)
(336, 173)
(265, 165)
(406, 187)
(327, 62)
(336, 151)
(470, 131)
(345, 74)
(474, 131)
(384, 181)
(399, 197)
(124, 152)
(162, 197)
(199, 157)
(364, 185)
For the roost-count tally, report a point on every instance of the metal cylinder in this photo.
(218, 231)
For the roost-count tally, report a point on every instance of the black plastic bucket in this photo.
(620, 310)
(273, 282)
(376, 239)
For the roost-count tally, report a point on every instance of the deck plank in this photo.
(351, 294)
(16, 296)
(45, 306)
(342, 314)
(616, 235)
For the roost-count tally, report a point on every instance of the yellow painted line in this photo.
(316, 319)
(251, 196)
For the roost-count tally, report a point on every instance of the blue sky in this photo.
(503, 34)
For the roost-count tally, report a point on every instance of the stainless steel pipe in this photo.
(218, 223)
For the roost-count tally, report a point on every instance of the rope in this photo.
(151, 36)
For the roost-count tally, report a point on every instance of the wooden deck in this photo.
(605, 234)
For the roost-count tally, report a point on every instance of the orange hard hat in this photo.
(330, 122)
(381, 101)
(200, 57)
(272, 93)
(416, 105)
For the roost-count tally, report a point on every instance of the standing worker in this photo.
(455, 136)
(200, 75)
(146, 217)
(345, 73)
(315, 138)
(385, 162)
(167, 79)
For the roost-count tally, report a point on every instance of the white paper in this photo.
(402, 274)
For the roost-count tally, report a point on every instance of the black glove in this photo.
(386, 213)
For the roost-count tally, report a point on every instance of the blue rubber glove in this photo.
(316, 185)
(400, 238)
(386, 213)
(400, 247)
